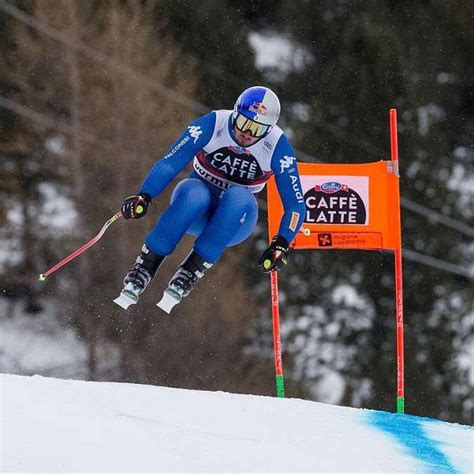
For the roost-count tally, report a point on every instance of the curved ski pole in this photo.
(78, 252)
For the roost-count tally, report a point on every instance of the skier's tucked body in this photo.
(234, 153)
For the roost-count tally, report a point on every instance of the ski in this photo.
(169, 300)
(126, 299)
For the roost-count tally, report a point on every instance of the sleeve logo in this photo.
(195, 132)
(176, 148)
(286, 162)
(295, 217)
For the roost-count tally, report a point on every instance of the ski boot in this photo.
(184, 280)
(138, 277)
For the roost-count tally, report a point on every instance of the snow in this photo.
(271, 51)
(44, 343)
(427, 115)
(54, 218)
(275, 52)
(35, 343)
(348, 296)
(57, 425)
(58, 212)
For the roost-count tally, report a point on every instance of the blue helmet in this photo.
(256, 111)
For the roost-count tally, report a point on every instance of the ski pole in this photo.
(78, 252)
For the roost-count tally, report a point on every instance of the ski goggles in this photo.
(256, 129)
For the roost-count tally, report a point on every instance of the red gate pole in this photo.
(280, 384)
(398, 274)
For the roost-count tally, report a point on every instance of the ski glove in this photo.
(274, 257)
(136, 206)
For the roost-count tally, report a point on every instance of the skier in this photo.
(234, 153)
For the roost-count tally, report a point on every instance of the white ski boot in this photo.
(183, 281)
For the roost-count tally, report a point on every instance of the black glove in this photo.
(274, 257)
(136, 206)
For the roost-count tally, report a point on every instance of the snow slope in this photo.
(54, 425)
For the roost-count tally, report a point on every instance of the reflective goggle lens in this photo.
(246, 125)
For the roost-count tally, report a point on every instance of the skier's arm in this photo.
(289, 187)
(287, 179)
(193, 139)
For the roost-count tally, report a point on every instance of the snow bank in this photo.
(58, 425)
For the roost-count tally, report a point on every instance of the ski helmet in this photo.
(256, 111)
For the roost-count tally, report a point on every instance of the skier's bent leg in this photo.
(232, 222)
(190, 199)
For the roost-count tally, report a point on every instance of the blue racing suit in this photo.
(217, 202)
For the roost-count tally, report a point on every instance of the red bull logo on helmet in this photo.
(258, 108)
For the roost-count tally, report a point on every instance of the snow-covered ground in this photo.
(34, 343)
(53, 425)
(31, 344)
